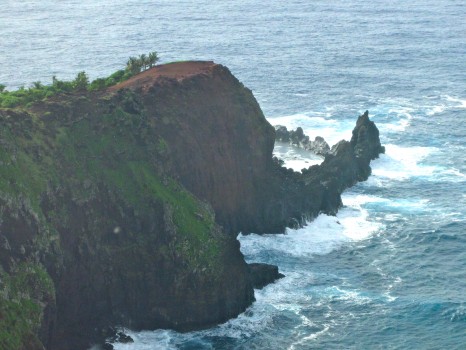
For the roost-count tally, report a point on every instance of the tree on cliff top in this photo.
(137, 64)
(38, 91)
(133, 65)
(81, 82)
(153, 58)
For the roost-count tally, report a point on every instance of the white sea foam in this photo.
(318, 124)
(353, 200)
(305, 339)
(299, 164)
(401, 163)
(294, 157)
(320, 236)
(404, 115)
(435, 109)
(148, 340)
(449, 173)
(398, 113)
(460, 103)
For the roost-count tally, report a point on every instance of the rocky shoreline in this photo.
(121, 207)
(297, 138)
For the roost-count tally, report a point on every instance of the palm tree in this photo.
(143, 59)
(133, 65)
(81, 81)
(37, 85)
(153, 58)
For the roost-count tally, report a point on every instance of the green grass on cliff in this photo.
(98, 148)
(118, 158)
(107, 149)
(23, 294)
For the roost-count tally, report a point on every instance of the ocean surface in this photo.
(389, 271)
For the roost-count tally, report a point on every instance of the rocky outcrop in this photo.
(263, 274)
(121, 207)
(299, 197)
(297, 138)
(365, 139)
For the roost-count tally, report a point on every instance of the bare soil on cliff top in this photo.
(176, 70)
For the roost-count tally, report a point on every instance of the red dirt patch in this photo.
(176, 70)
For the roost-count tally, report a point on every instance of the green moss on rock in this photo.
(23, 294)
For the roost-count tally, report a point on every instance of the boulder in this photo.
(319, 146)
(282, 134)
(263, 274)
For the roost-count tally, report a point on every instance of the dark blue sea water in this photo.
(389, 272)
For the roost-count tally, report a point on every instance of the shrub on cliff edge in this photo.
(38, 91)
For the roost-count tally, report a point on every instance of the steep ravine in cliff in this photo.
(121, 207)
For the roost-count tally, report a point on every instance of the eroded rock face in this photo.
(219, 143)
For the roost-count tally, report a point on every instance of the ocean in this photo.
(389, 271)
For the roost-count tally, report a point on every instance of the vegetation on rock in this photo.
(24, 293)
(23, 97)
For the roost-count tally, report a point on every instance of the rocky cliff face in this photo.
(218, 140)
(111, 203)
(94, 198)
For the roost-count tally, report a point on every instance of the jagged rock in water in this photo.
(302, 196)
(297, 138)
(319, 146)
(281, 133)
(365, 139)
(263, 274)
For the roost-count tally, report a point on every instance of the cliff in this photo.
(121, 207)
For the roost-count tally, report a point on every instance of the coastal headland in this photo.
(121, 206)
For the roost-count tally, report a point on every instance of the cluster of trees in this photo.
(38, 91)
(137, 64)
